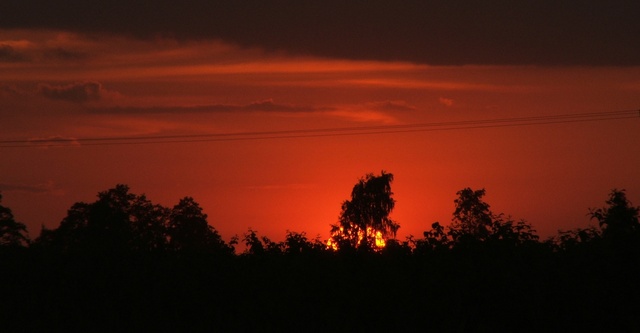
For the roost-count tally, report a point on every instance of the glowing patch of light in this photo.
(379, 239)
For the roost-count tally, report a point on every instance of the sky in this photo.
(268, 112)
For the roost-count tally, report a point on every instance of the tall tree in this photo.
(149, 224)
(472, 216)
(619, 220)
(12, 232)
(367, 213)
(117, 221)
(188, 229)
(474, 221)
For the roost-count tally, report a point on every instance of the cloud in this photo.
(271, 187)
(259, 106)
(364, 116)
(446, 101)
(44, 188)
(529, 32)
(22, 50)
(9, 54)
(77, 92)
(9, 90)
(53, 141)
(391, 106)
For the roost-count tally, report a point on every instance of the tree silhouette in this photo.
(259, 246)
(620, 217)
(434, 239)
(619, 222)
(109, 225)
(473, 222)
(71, 234)
(366, 213)
(122, 221)
(188, 229)
(472, 217)
(12, 232)
(253, 243)
(149, 225)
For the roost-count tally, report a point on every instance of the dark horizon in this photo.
(106, 269)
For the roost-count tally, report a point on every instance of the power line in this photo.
(326, 132)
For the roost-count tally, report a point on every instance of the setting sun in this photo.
(332, 165)
(380, 242)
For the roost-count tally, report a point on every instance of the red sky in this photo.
(58, 82)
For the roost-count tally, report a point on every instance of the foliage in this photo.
(568, 240)
(434, 240)
(472, 218)
(122, 221)
(188, 229)
(366, 213)
(619, 218)
(473, 223)
(12, 232)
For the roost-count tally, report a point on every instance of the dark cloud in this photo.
(391, 106)
(63, 54)
(9, 90)
(45, 188)
(542, 32)
(10, 54)
(54, 141)
(261, 106)
(78, 92)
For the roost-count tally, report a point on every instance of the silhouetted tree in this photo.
(514, 233)
(395, 248)
(435, 239)
(109, 226)
(71, 234)
(120, 220)
(472, 218)
(572, 239)
(619, 219)
(149, 224)
(474, 222)
(296, 243)
(188, 229)
(12, 232)
(253, 243)
(366, 213)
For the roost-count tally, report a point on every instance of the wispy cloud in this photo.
(272, 187)
(44, 188)
(448, 102)
(260, 106)
(9, 90)
(390, 106)
(53, 141)
(77, 92)
(39, 51)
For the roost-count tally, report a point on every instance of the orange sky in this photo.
(56, 84)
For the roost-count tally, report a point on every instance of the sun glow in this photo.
(380, 242)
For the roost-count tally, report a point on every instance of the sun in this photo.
(380, 242)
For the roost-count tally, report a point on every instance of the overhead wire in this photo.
(325, 132)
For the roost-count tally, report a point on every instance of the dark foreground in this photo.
(479, 290)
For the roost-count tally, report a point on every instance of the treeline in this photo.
(123, 263)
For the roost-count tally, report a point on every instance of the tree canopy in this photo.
(122, 221)
(160, 268)
(367, 213)
(12, 232)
